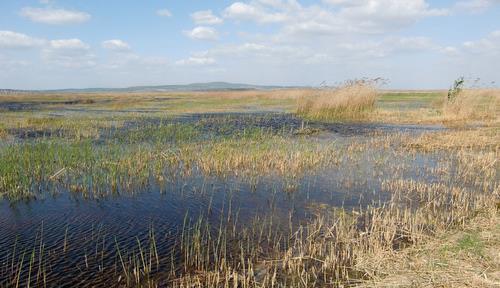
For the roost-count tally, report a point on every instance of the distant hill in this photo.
(211, 86)
(203, 87)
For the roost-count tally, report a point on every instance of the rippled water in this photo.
(77, 239)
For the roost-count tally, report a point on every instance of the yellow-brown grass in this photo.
(352, 100)
(484, 138)
(88, 98)
(464, 257)
(3, 132)
(374, 245)
(473, 104)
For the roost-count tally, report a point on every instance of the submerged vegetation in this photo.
(140, 155)
(255, 199)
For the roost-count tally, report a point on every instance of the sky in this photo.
(415, 44)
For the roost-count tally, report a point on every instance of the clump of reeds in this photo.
(352, 100)
(473, 104)
(463, 104)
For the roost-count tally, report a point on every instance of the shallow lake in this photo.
(78, 241)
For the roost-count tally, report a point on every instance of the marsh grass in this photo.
(134, 158)
(470, 242)
(473, 105)
(475, 139)
(78, 128)
(341, 247)
(349, 247)
(26, 267)
(336, 247)
(28, 169)
(3, 131)
(139, 264)
(464, 256)
(257, 157)
(321, 104)
(352, 100)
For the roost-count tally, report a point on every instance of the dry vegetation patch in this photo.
(479, 138)
(352, 100)
(3, 132)
(473, 105)
(464, 257)
(263, 157)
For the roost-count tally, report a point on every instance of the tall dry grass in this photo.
(473, 104)
(352, 100)
(3, 131)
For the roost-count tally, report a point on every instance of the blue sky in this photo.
(46, 44)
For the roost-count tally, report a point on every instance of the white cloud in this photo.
(250, 12)
(450, 51)
(202, 33)
(205, 17)
(303, 42)
(196, 60)
(70, 44)
(377, 16)
(54, 16)
(337, 17)
(474, 6)
(252, 50)
(7, 63)
(280, 4)
(252, 53)
(299, 55)
(116, 45)
(153, 61)
(164, 13)
(386, 47)
(311, 28)
(10, 39)
(489, 45)
(70, 53)
(133, 62)
(411, 43)
(391, 12)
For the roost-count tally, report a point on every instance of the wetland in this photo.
(236, 189)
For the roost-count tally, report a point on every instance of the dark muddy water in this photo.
(225, 124)
(77, 239)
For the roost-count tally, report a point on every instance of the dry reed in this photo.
(473, 104)
(352, 100)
